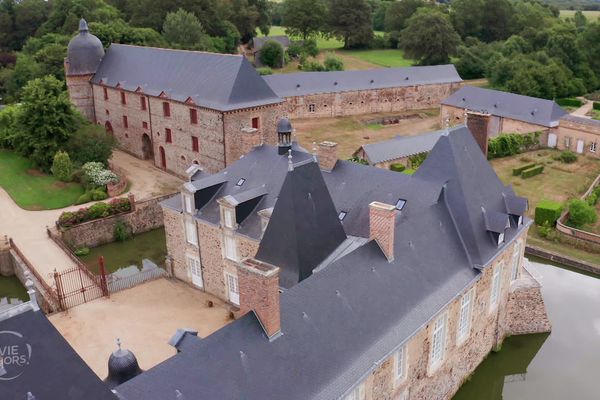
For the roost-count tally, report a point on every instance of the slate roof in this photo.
(579, 120)
(503, 104)
(217, 81)
(305, 83)
(55, 370)
(338, 323)
(259, 42)
(84, 52)
(400, 147)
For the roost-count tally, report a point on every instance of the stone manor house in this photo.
(179, 108)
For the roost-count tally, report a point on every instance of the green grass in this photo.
(32, 189)
(383, 57)
(322, 43)
(590, 15)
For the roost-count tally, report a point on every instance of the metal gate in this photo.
(77, 286)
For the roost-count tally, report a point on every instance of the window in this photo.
(400, 364)
(143, 105)
(193, 116)
(358, 393)
(166, 109)
(500, 238)
(496, 282)
(400, 204)
(464, 320)
(168, 136)
(240, 182)
(516, 260)
(105, 90)
(438, 343)
(256, 123)
(125, 122)
(228, 217)
(188, 204)
(191, 234)
(567, 142)
(520, 220)
(195, 145)
(233, 288)
(342, 215)
(193, 263)
(123, 98)
(230, 248)
(144, 125)
(593, 147)
(311, 108)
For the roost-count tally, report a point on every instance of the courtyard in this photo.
(144, 318)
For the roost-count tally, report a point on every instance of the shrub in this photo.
(358, 160)
(84, 198)
(533, 171)
(417, 159)
(517, 171)
(333, 63)
(397, 167)
(509, 144)
(547, 211)
(596, 106)
(547, 231)
(98, 194)
(567, 157)
(264, 71)
(121, 231)
(271, 54)
(91, 143)
(62, 167)
(581, 213)
(120, 205)
(409, 171)
(99, 210)
(592, 199)
(97, 175)
(311, 65)
(569, 102)
(84, 251)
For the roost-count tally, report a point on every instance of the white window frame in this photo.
(193, 263)
(230, 247)
(568, 142)
(400, 364)
(465, 316)
(187, 204)
(520, 220)
(191, 233)
(516, 262)
(358, 393)
(229, 217)
(233, 286)
(496, 285)
(500, 238)
(438, 341)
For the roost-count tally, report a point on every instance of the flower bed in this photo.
(96, 211)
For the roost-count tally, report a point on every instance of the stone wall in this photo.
(367, 101)
(146, 216)
(80, 93)
(526, 308)
(569, 132)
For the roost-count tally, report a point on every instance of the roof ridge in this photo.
(178, 50)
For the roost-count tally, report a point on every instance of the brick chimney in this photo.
(327, 155)
(382, 225)
(259, 292)
(478, 124)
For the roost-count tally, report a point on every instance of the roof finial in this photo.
(314, 151)
(466, 115)
(178, 395)
(83, 26)
(30, 396)
(290, 164)
(119, 343)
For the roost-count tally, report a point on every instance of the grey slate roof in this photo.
(259, 41)
(55, 370)
(581, 120)
(217, 81)
(84, 52)
(400, 147)
(305, 83)
(340, 322)
(503, 104)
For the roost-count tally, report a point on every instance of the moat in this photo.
(556, 366)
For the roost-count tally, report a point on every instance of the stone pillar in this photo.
(259, 292)
(382, 225)
(80, 93)
(131, 198)
(478, 124)
(327, 155)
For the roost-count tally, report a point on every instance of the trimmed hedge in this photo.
(533, 171)
(547, 211)
(567, 157)
(596, 106)
(517, 171)
(569, 102)
(96, 211)
(397, 167)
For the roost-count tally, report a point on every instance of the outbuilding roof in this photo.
(509, 105)
(306, 83)
(217, 81)
(400, 147)
(259, 41)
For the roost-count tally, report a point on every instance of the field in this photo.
(590, 15)
(32, 189)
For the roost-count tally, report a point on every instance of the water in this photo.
(11, 287)
(121, 255)
(561, 365)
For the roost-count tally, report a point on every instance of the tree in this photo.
(333, 63)
(304, 18)
(8, 126)
(62, 167)
(271, 54)
(429, 37)
(183, 28)
(581, 213)
(579, 20)
(467, 16)
(399, 12)
(350, 20)
(90, 143)
(65, 15)
(120, 32)
(45, 122)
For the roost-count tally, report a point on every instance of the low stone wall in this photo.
(574, 232)
(145, 216)
(116, 189)
(557, 258)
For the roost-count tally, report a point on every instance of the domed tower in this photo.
(122, 366)
(84, 53)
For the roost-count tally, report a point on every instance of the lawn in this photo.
(322, 43)
(32, 189)
(590, 15)
(389, 58)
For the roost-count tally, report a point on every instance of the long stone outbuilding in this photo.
(178, 108)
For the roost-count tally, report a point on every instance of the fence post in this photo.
(103, 282)
(59, 291)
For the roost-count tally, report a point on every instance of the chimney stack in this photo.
(327, 153)
(478, 124)
(259, 292)
(382, 225)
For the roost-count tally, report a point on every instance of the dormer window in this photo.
(188, 204)
(400, 204)
(520, 220)
(342, 215)
(240, 182)
(500, 238)
(228, 217)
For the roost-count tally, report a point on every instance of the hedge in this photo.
(397, 167)
(569, 102)
(547, 211)
(517, 171)
(533, 171)
(596, 106)
(96, 211)
(409, 171)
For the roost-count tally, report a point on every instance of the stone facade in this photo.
(578, 135)
(358, 102)
(81, 95)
